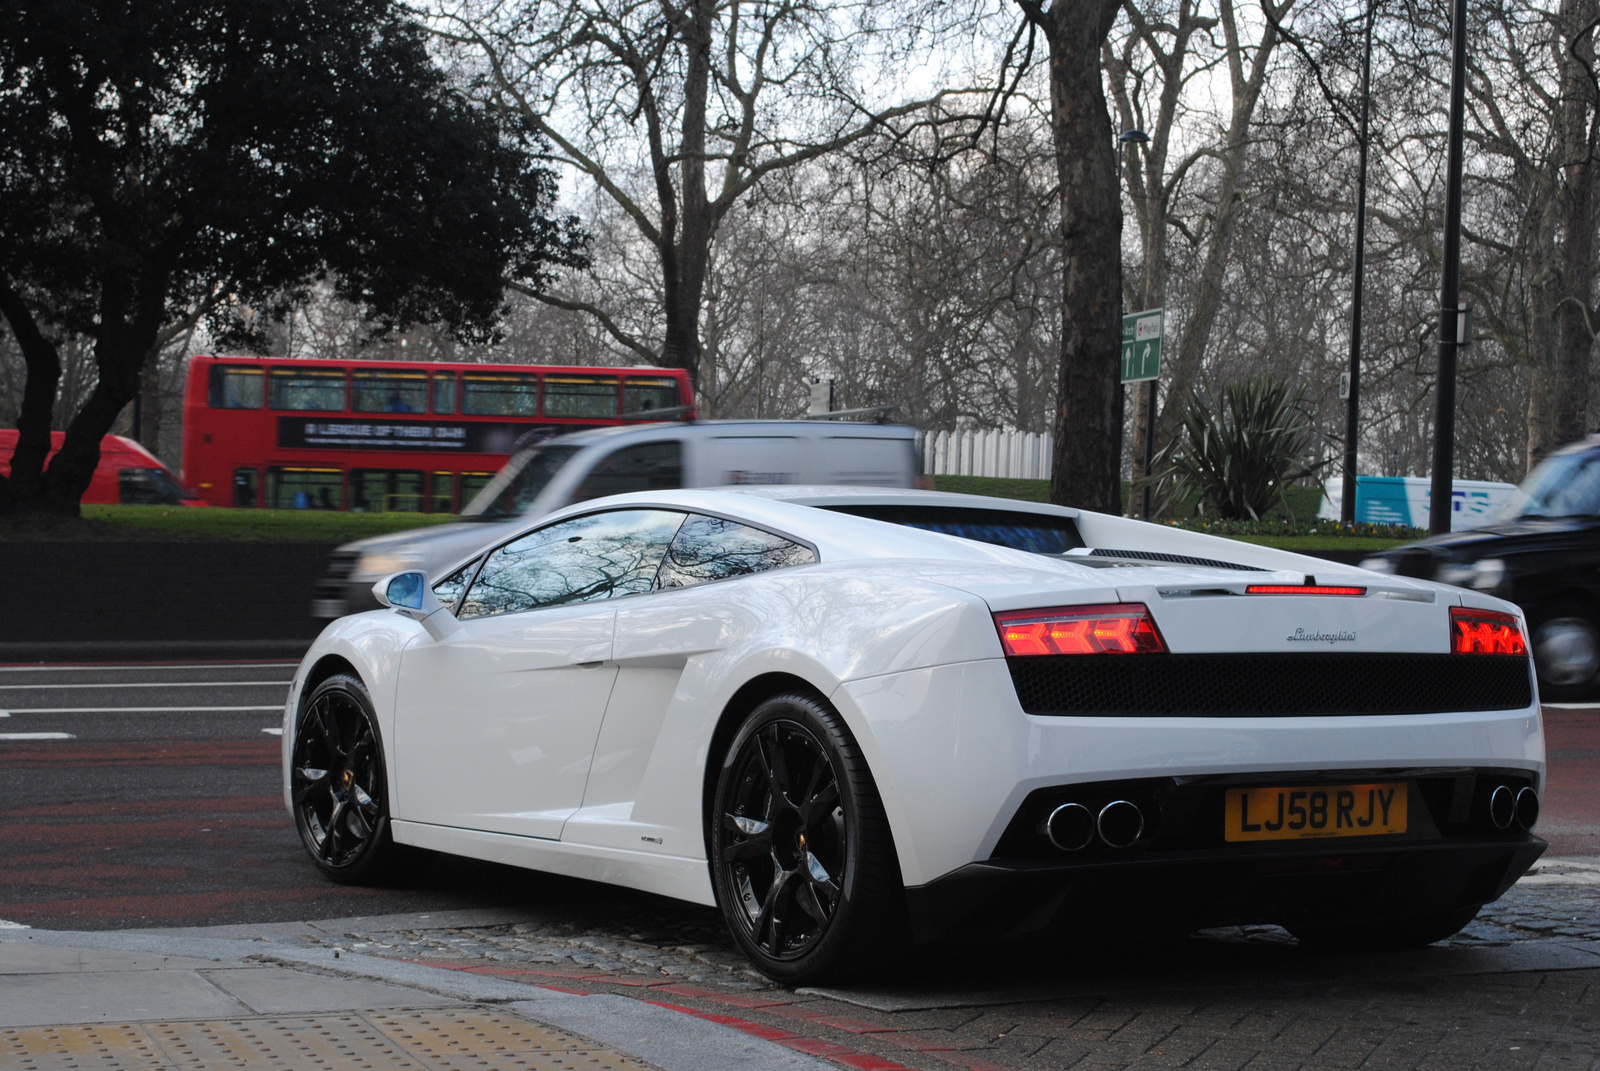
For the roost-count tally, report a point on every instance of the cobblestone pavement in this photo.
(1513, 990)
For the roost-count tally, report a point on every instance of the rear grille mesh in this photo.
(1267, 685)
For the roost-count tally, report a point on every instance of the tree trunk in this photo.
(22, 490)
(1088, 426)
(686, 277)
(1569, 415)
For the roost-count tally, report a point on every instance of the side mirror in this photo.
(408, 593)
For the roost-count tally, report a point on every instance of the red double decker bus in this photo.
(401, 436)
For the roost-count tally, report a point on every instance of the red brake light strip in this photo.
(1301, 589)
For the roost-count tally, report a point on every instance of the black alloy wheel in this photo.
(337, 783)
(802, 859)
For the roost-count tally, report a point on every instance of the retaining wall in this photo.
(72, 599)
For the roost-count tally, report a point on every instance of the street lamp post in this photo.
(1444, 424)
(1352, 414)
(1128, 140)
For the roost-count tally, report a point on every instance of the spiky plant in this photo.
(1237, 457)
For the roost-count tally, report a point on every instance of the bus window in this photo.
(307, 390)
(580, 396)
(641, 395)
(246, 485)
(444, 393)
(441, 488)
(499, 394)
(472, 483)
(385, 491)
(235, 387)
(304, 488)
(389, 392)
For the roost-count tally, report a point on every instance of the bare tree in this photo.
(678, 110)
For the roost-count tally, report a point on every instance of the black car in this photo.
(1542, 553)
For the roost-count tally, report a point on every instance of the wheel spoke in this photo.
(811, 903)
(311, 780)
(773, 920)
(819, 805)
(821, 884)
(330, 838)
(360, 828)
(756, 842)
(769, 750)
(328, 723)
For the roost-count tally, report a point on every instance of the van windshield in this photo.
(518, 484)
(1567, 485)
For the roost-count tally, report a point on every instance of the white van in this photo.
(610, 461)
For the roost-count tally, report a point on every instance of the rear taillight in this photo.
(1301, 589)
(1485, 632)
(1119, 628)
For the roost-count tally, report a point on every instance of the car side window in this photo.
(710, 548)
(656, 466)
(598, 556)
(450, 588)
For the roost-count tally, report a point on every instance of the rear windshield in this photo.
(518, 484)
(1040, 533)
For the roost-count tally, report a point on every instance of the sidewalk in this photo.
(260, 997)
(495, 989)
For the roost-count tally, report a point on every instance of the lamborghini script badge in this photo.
(1300, 635)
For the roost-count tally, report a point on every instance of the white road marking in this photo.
(7, 924)
(272, 731)
(37, 736)
(136, 710)
(145, 684)
(106, 667)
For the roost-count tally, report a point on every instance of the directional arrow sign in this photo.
(1141, 345)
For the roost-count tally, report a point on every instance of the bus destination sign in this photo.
(342, 433)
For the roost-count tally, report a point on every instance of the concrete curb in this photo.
(667, 1039)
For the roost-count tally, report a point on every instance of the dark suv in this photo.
(1543, 553)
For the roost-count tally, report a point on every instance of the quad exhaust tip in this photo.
(1120, 824)
(1508, 807)
(1502, 807)
(1070, 827)
(1527, 808)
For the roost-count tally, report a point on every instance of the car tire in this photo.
(339, 791)
(1388, 936)
(1566, 654)
(803, 861)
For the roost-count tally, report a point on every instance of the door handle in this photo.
(591, 655)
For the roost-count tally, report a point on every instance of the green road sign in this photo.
(1141, 345)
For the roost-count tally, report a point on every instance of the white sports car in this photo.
(856, 717)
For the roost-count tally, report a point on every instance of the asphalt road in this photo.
(149, 795)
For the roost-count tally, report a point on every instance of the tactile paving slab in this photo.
(449, 1040)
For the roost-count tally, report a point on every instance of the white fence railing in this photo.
(1021, 455)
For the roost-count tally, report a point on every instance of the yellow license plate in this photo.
(1323, 811)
